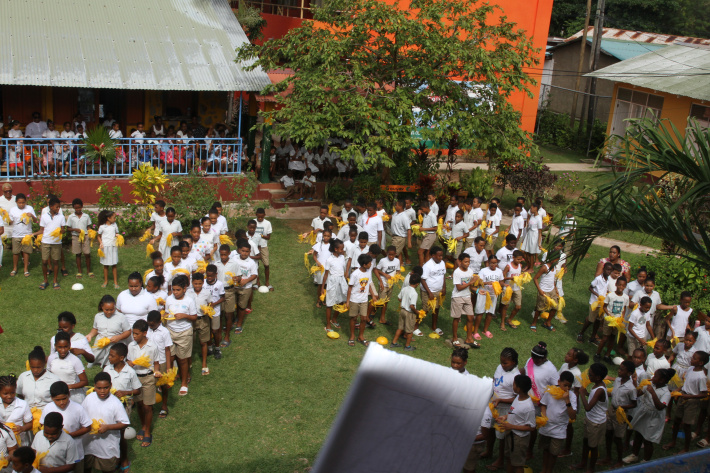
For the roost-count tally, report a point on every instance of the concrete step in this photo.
(278, 204)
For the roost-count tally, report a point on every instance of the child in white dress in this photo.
(108, 248)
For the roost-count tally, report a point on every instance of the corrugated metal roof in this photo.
(641, 37)
(124, 44)
(678, 69)
(623, 50)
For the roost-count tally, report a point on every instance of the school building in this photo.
(133, 59)
(670, 83)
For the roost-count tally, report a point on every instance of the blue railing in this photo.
(21, 158)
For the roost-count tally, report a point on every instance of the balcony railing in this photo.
(290, 8)
(65, 157)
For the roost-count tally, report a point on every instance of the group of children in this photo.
(294, 160)
(625, 413)
(142, 341)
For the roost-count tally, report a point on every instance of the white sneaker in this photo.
(418, 333)
(630, 459)
(439, 332)
(561, 318)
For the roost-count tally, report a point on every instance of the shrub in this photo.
(242, 186)
(566, 183)
(337, 190)
(37, 198)
(190, 196)
(131, 220)
(367, 187)
(478, 182)
(147, 181)
(531, 179)
(554, 129)
(110, 199)
(675, 275)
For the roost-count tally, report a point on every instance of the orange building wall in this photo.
(532, 16)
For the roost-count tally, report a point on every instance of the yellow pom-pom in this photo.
(442, 298)
(561, 304)
(674, 341)
(322, 297)
(27, 365)
(420, 219)
(483, 225)
(434, 336)
(449, 265)
(102, 342)
(56, 233)
(545, 315)
(556, 392)
(397, 278)
(82, 236)
(421, 315)
(160, 301)
(167, 315)
(507, 295)
(385, 218)
(340, 308)
(494, 411)
(489, 302)
(497, 288)
(38, 459)
(431, 304)
(645, 382)
(143, 360)
(381, 302)
(158, 398)
(540, 421)
(225, 240)
(26, 218)
(333, 335)
(382, 340)
(4, 461)
(551, 304)
(5, 216)
(26, 240)
(676, 381)
(546, 220)
(101, 253)
(330, 209)
(676, 394)
(36, 416)
(92, 235)
(340, 223)
(306, 260)
(621, 416)
(95, 424)
(168, 379)
(584, 379)
(652, 343)
(147, 234)
(416, 230)
(560, 274)
(230, 275)
(90, 390)
(180, 271)
(401, 269)
(598, 305)
(316, 268)
(201, 266)
(120, 241)
(169, 240)
(38, 240)
(207, 310)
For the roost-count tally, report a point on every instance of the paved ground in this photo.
(559, 167)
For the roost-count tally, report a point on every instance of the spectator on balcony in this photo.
(198, 131)
(50, 152)
(109, 121)
(115, 132)
(36, 127)
(79, 122)
(158, 127)
(184, 131)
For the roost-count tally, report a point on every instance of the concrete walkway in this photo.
(557, 167)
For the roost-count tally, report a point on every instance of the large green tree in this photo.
(664, 191)
(389, 77)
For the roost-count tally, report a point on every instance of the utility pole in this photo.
(583, 45)
(594, 61)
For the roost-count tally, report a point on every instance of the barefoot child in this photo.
(595, 404)
(518, 424)
(386, 268)
(559, 413)
(512, 269)
(103, 450)
(461, 306)
(649, 417)
(359, 288)
(334, 285)
(407, 312)
(160, 336)
(145, 349)
(693, 392)
(180, 312)
(76, 223)
(107, 236)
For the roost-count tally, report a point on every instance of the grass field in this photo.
(553, 154)
(268, 404)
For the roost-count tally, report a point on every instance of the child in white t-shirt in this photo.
(615, 305)
(560, 411)
(518, 424)
(386, 268)
(360, 287)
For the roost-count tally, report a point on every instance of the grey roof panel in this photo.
(680, 70)
(129, 44)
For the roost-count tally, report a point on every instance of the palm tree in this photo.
(664, 191)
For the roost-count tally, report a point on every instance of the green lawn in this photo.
(553, 154)
(269, 403)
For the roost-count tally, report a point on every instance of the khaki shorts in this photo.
(593, 315)
(215, 322)
(230, 300)
(612, 424)
(399, 243)
(202, 329)
(516, 300)
(407, 321)
(459, 249)
(147, 394)
(632, 344)
(182, 343)
(689, 410)
(51, 251)
(541, 304)
(78, 248)
(242, 297)
(555, 446)
(516, 448)
(461, 306)
(385, 292)
(101, 464)
(163, 367)
(428, 241)
(358, 308)
(425, 301)
(607, 331)
(264, 252)
(594, 433)
(477, 449)
(492, 244)
(18, 247)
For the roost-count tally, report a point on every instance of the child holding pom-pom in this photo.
(487, 298)
(21, 218)
(143, 358)
(547, 295)
(560, 408)
(203, 299)
(161, 337)
(108, 249)
(78, 223)
(518, 424)
(51, 226)
(110, 327)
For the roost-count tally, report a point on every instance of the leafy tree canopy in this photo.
(677, 17)
(387, 77)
